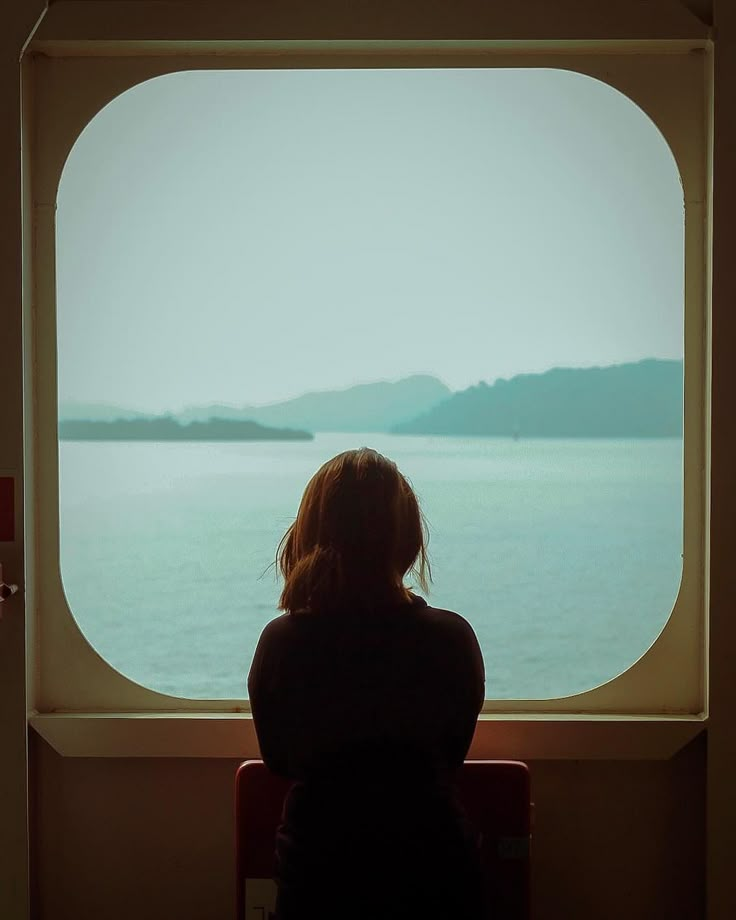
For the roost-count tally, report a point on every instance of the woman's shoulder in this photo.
(418, 611)
(279, 625)
(419, 606)
(449, 619)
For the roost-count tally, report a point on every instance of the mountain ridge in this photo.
(376, 406)
(362, 407)
(633, 399)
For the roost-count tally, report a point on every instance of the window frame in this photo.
(89, 708)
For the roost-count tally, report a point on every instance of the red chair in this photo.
(496, 796)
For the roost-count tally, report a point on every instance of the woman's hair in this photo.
(359, 530)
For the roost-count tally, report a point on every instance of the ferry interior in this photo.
(119, 800)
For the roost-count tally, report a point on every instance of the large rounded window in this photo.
(478, 272)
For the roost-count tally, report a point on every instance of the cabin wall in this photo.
(151, 838)
(140, 837)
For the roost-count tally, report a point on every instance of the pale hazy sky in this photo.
(246, 236)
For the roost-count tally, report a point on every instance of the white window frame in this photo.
(80, 703)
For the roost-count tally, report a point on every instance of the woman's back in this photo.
(371, 711)
(409, 677)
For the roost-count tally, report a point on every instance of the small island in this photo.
(167, 428)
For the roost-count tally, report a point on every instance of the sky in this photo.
(242, 237)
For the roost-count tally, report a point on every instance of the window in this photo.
(667, 679)
(240, 238)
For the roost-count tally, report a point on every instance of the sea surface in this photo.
(564, 555)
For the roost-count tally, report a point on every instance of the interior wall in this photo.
(121, 838)
(703, 9)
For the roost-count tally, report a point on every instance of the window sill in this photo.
(507, 736)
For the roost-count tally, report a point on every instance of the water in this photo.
(565, 555)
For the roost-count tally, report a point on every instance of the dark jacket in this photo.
(371, 712)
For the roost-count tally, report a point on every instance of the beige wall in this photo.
(116, 838)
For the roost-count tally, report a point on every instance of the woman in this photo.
(368, 698)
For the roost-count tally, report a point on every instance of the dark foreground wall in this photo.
(148, 838)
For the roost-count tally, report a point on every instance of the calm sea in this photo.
(565, 555)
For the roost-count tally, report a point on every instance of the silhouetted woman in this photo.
(368, 698)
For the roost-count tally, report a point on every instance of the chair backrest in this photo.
(496, 796)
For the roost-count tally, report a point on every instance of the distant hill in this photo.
(364, 407)
(167, 428)
(97, 411)
(638, 400)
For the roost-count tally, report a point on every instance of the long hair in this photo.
(359, 530)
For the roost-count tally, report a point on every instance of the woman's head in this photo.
(358, 531)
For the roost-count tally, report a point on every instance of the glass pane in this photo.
(494, 256)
